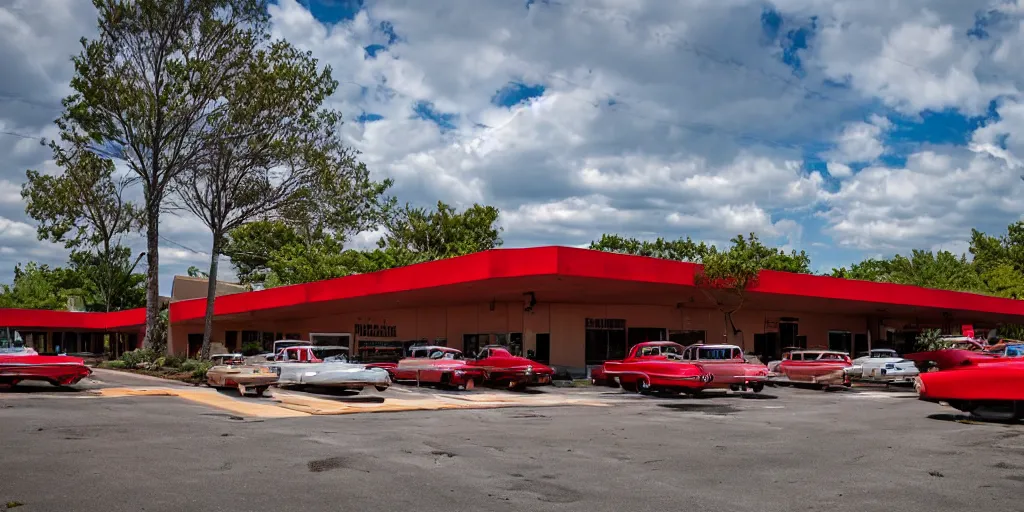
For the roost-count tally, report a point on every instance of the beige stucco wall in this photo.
(564, 322)
(184, 288)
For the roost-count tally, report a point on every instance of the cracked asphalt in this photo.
(783, 450)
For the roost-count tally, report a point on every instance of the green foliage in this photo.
(116, 364)
(252, 348)
(196, 367)
(40, 287)
(736, 268)
(942, 270)
(931, 339)
(193, 271)
(139, 357)
(109, 282)
(274, 254)
(173, 361)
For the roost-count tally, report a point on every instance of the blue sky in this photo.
(848, 129)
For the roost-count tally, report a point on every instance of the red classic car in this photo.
(57, 370)
(961, 349)
(658, 365)
(822, 368)
(493, 365)
(989, 390)
(431, 364)
(727, 364)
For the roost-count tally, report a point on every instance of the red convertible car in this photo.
(493, 365)
(822, 368)
(57, 370)
(727, 364)
(989, 390)
(961, 349)
(657, 366)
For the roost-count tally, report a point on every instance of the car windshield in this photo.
(883, 353)
(10, 340)
(324, 353)
(831, 357)
(658, 350)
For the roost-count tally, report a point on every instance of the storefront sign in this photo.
(376, 331)
(609, 324)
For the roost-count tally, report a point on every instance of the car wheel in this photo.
(758, 387)
(643, 387)
(381, 388)
(261, 390)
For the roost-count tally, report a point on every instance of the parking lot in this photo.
(784, 449)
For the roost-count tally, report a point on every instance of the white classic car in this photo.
(883, 365)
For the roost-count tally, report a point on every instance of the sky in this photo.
(845, 128)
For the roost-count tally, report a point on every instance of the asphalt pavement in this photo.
(782, 450)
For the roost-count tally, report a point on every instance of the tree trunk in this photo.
(152, 274)
(211, 295)
(731, 333)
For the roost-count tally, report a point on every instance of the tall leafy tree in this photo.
(85, 209)
(943, 270)
(40, 287)
(999, 261)
(443, 232)
(148, 87)
(725, 275)
(273, 141)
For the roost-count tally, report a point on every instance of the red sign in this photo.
(967, 330)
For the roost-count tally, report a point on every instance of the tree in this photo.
(942, 270)
(109, 282)
(271, 142)
(148, 86)
(85, 207)
(274, 253)
(442, 233)
(40, 287)
(724, 276)
(999, 261)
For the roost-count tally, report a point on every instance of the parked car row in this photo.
(301, 365)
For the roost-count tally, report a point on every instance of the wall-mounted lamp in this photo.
(529, 301)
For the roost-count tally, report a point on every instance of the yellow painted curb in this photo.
(318, 406)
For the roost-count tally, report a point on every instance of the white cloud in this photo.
(658, 118)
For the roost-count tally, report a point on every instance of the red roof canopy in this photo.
(46, 319)
(563, 274)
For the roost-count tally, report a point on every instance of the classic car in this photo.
(988, 390)
(501, 368)
(444, 366)
(883, 365)
(331, 353)
(822, 368)
(247, 379)
(57, 370)
(960, 349)
(658, 366)
(227, 359)
(730, 368)
(299, 366)
(774, 365)
(280, 345)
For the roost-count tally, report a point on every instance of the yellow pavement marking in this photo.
(211, 398)
(290, 405)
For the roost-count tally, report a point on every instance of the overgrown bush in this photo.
(932, 340)
(196, 367)
(252, 348)
(139, 357)
(173, 361)
(116, 364)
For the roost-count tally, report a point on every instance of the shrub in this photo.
(198, 368)
(160, 362)
(252, 349)
(116, 364)
(138, 357)
(173, 361)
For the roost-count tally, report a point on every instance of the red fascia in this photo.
(47, 319)
(571, 262)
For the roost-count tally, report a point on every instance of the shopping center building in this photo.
(568, 307)
(575, 307)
